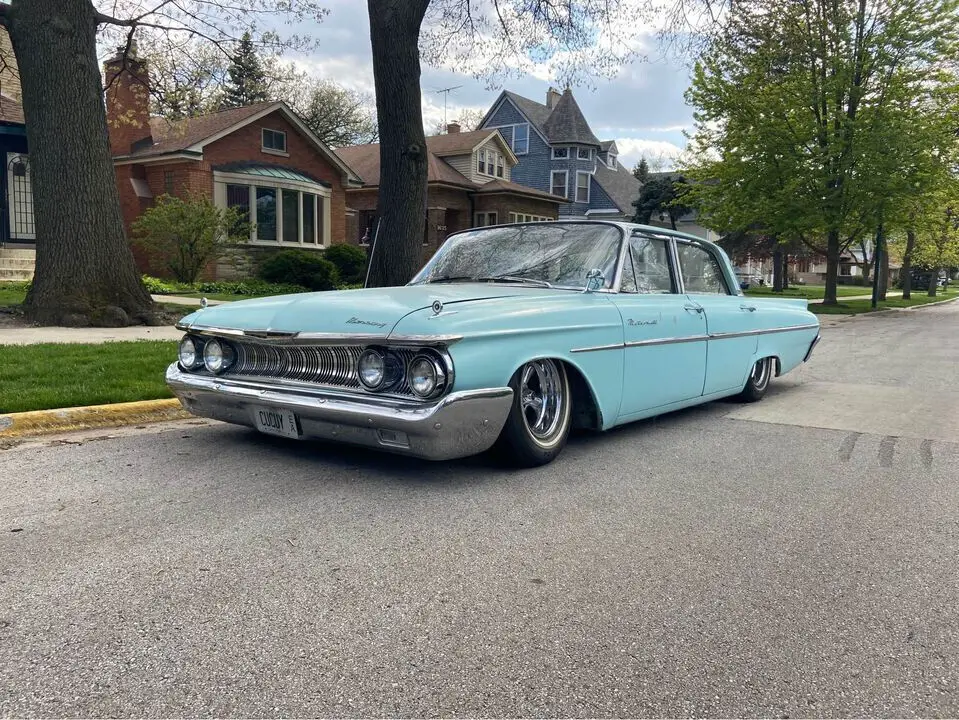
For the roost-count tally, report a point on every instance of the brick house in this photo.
(261, 158)
(469, 185)
(557, 152)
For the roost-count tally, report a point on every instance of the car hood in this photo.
(363, 311)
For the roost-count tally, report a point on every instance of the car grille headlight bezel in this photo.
(196, 353)
(217, 356)
(434, 376)
(391, 372)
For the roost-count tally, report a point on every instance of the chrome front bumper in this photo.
(457, 425)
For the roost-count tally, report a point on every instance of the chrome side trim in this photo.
(597, 348)
(812, 346)
(693, 338)
(666, 341)
(747, 333)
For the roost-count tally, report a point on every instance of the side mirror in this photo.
(595, 279)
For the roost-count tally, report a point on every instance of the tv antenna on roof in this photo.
(446, 95)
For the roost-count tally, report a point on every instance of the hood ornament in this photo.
(204, 302)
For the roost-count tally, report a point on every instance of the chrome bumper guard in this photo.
(457, 425)
(812, 346)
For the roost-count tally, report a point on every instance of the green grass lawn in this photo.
(10, 295)
(852, 307)
(59, 375)
(810, 292)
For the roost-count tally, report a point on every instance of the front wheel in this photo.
(758, 382)
(538, 424)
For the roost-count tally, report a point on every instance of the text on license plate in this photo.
(276, 421)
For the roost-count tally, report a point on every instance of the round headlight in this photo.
(426, 377)
(371, 369)
(214, 356)
(187, 353)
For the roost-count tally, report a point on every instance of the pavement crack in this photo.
(887, 448)
(848, 445)
(925, 453)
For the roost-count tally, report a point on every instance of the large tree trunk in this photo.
(832, 267)
(905, 272)
(785, 270)
(933, 282)
(85, 272)
(778, 269)
(395, 31)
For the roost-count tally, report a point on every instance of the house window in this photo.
(274, 140)
(524, 218)
(168, 182)
(560, 153)
(483, 219)
(277, 214)
(582, 187)
(500, 166)
(558, 183)
(612, 162)
(481, 161)
(585, 154)
(520, 144)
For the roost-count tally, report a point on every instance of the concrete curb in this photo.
(47, 422)
(932, 304)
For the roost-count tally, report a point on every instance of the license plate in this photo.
(275, 421)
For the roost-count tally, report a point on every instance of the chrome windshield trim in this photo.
(300, 338)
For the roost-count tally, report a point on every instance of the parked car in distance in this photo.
(921, 278)
(510, 336)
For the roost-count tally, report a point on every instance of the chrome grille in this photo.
(332, 365)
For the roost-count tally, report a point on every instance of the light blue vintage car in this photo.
(510, 336)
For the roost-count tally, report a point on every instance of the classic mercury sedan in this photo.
(510, 336)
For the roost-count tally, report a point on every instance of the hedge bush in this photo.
(300, 267)
(249, 288)
(350, 262)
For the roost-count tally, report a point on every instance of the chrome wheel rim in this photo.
(760, 374)
(542, 399)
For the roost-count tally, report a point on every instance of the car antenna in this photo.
(369, 262)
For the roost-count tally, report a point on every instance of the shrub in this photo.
(249, 288)
(300, 267)
(187, 234)
(350, 261)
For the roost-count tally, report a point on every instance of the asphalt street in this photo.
(793, 558)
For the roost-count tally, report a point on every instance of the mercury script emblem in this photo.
(356, 321)
(634, 323)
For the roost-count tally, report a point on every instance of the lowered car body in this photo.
(510, 336)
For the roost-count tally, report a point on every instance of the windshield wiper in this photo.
(516, 279)
(450, 278)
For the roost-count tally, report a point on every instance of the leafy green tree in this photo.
(641, 171)
(187, 234)
(247, 84)
(798, 105)
(662, 195)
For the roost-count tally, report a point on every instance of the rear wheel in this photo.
(538, 424)
(758, 382)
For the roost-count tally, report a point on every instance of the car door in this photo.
(731, 319)
(664, 333)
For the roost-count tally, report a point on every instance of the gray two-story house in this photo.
(558, 153)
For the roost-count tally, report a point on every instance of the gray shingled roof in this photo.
(607, 145)
(620, 184)
(536, 112)
(566, 124)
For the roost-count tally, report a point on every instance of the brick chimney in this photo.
(128, 101)
(453, 127)
(552, 97)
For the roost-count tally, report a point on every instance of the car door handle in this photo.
(748, 308)
(692, 308)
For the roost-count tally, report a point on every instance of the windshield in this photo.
(556, 253)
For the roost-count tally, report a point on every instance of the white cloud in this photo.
(656, 152)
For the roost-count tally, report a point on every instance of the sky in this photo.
(641, 108)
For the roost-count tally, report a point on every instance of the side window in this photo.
(650, 260)
(701, 272)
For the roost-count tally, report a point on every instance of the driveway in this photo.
(791, 558)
